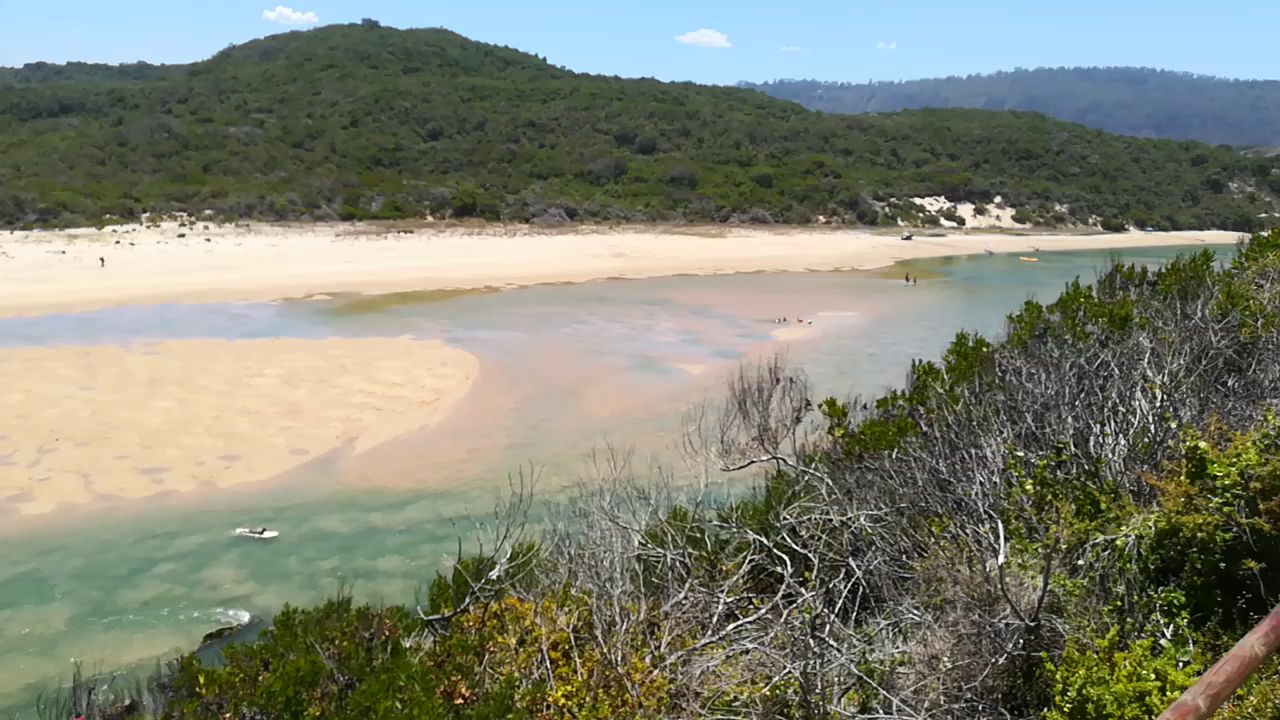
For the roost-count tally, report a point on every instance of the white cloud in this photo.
(791, 49)
(891, 45)
(289, 16)
(705, 38)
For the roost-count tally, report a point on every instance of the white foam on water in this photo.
(237, 616)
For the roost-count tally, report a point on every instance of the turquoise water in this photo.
(563, 368)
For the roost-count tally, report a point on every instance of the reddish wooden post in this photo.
(1228, 674)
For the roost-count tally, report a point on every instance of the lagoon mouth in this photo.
(560, 368)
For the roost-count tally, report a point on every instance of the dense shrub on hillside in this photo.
(1108, 678)
(513, 658)
(367, 122)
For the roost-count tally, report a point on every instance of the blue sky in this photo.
(853, 40)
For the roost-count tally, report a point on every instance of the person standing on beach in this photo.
(102, 262)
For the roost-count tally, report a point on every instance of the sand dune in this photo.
(62, 271)
(90, 421)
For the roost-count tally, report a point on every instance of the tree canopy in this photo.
(1126, 100)
(366, 121)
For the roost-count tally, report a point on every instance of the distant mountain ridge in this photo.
(364, 121)
(1141, 102)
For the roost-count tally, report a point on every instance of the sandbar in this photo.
(84, 422)
(63, 271)
(789, 333)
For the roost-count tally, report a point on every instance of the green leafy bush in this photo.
(510, 658)
(1106, 679)
(1216, 535)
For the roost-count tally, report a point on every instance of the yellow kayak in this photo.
(1029, 259)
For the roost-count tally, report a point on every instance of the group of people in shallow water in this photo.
(911, 280)
(779, 321)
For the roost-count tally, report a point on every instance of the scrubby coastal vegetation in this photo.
(1143, 102)
(364, 121)
(1070, 522)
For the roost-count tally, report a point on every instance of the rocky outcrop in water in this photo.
(219, 634)
(211, 645)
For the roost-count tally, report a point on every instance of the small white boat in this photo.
(908, 236)
(257, 533)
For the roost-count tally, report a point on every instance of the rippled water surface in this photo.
(563, 368)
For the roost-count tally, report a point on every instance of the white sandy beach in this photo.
(60, 271)
(85, 422)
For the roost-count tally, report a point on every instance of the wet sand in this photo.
(132, 264)
(793, 332)
(104, 421)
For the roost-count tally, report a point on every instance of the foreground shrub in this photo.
(1105, 679)
(1216, 531)
(511, 658)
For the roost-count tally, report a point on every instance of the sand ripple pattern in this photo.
(86, 422)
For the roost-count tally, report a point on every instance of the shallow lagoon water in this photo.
(563, 368)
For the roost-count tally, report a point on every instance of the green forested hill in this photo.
(368, 121)
(41, 73)
(1125, 100)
